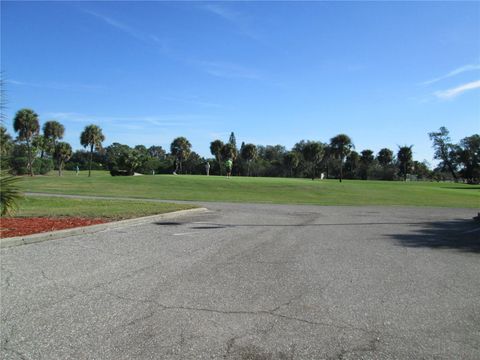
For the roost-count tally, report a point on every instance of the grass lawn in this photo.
(110, 209)
(259, 190)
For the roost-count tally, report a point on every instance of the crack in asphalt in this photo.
(269, 312)
(7, 279)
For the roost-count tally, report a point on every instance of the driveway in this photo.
(251, 282)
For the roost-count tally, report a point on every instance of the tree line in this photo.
(38, 152)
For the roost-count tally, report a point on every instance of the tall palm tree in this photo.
(216, 150)
(404, 157)
(291, 161)
(92, 136)
(52, 132)
(385, 157)
(6, 145)
(341, 145)
(62, 153)
(313, 152)
(181, 149)
(26, 125)
(249, 153)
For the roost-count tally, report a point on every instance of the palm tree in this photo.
(313, 153)
(366, 161)
(404, 157)
(26, 125)
(341, 145)
(52, 131)
(181, 149)
(328, 155)
(62, 153)
(216, 150)
(291, 161)
(385, 157)
(92, 136)
(6, 145)
(249, 153)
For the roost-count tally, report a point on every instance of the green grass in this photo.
(110, 209)
(260, 190)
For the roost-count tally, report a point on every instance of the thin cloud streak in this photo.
(139, 35)
(460, 70)
(237, 19)
(454, 92)
(173, 120)
(56, 85)
(223, 12)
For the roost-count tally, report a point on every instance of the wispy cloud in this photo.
(456, 91)
(57, 85)
(224, 12)
(113, 22)
(237, 19)
(147, 38)
(228, 70)
(167, 120)
(457, 71)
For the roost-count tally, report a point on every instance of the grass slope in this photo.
(110, 209)
(261, 190)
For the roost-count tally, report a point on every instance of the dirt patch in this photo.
(10, 227)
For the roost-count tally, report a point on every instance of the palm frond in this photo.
(10, 194)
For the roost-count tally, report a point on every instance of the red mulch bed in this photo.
(26, 226)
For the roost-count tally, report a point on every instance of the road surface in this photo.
(251, 282)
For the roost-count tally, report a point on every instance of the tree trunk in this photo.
(219, 164)
(446, 160)
(90, 161)
(450, 167)
(341, 169)
(30, 161)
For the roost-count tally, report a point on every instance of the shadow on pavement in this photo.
(462, 235)
(207, 226)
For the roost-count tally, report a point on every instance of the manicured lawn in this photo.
(260, 190)
(110, 209)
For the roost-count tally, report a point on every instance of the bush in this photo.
(116, 172)
(19, 165)
(42, 166)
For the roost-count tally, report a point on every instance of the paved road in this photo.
(251, 282)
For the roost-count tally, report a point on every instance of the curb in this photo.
(52, 235)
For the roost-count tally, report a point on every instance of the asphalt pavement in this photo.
(251, 282)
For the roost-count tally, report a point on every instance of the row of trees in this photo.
(35, 152)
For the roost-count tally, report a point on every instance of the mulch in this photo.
(10, 227)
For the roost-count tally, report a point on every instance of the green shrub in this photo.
(42, 166)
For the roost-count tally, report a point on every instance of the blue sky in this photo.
(385, 73)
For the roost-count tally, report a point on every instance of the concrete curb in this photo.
(52, 235)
